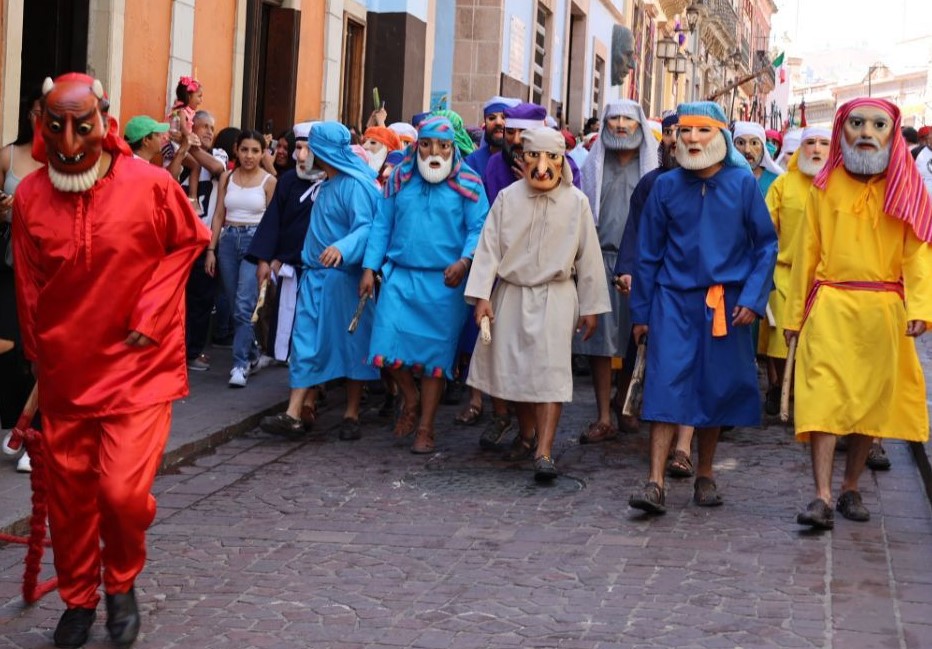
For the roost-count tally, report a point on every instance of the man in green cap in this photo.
(144, 135)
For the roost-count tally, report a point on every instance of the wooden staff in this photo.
(787, 381)
(635, 396)
(260, 302)
(485, 330)
(360, 307)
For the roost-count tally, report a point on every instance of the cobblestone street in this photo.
(322, 543)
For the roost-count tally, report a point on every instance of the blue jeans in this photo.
(238, 278)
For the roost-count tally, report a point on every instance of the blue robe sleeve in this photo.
(763, 237)
(476, 211)
(362, 203)
(265, 241)
(627, 249)
(651, 246)
(380, 235)
(577, 177)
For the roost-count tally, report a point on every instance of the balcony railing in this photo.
(724, 12)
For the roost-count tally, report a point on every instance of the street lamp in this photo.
(692, 15)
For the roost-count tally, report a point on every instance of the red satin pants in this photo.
(100, 474)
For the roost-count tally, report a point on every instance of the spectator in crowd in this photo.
(145, 136)
(16, 162)
(284, 152)
(244, 195)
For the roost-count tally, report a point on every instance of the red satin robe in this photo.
(91, 268)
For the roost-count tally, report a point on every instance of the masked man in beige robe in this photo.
(547, 237)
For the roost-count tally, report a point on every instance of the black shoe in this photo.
(772, 402)
(123, 618)
(544, 469)
(877, 459)
(453, 393)
(387, 409)
(818, 514)
(349, 430)
(282, 424)
(74, 626)
(850, 506)
(649, 499)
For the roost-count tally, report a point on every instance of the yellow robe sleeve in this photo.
(807, 250)
(917, 278)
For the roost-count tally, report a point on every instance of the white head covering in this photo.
(403, 129)
(791, 141)
(302, 130)
(547, 140)
(816, 131)
(591, 172)
(753, 129)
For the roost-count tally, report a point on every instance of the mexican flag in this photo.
(778, 65)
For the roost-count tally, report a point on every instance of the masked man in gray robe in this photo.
(538, 234)
(624, 153)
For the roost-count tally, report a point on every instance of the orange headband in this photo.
(700, 120)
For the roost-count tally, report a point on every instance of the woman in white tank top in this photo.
(244, 194)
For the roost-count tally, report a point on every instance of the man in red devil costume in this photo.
(102, 245)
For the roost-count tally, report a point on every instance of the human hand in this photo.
(789, 336)
(367, 283)
(589, 323)
(484, 310)
(276, 266)
(623, 284)
(742, 316)
(915, 328)
(455, 272)
(263, 271)
(331, 256)
(210, 263)
(136, 339)
(638, 332)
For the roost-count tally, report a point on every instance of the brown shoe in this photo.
(705, 493)
(406, 422)
(423, 441)
(598, 433)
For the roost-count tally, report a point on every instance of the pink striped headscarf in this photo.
(906, 197)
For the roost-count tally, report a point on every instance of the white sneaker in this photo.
(24, 465)
(238, 377)
(260, 363)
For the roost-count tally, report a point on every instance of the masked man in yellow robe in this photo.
(860, 290)
(786, 200)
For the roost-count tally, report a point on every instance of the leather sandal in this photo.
(598, 432)
(470, 415)
(406, 422)
(680, 466)
(705, 493)
(521, 449)
(423, 441)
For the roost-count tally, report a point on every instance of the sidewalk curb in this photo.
(925, 467)
(182, 454)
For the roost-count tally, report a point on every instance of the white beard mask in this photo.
(808, 166)
(377, 158)
(614, 142)
(432, 175)
(306, 171)
(864, 163)
(713, 153)
(74, 183)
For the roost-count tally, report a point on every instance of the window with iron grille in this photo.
(539, 64)
(598, 75)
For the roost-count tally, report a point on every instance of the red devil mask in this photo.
(74, 129)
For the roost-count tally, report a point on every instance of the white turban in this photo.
(753, 129)
(591, 172)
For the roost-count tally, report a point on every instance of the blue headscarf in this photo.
(462, 178)
(330, 141)
(713, 115)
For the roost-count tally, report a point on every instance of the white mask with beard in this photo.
(614, 142)
(865, 162)
(431, 174)
(377, 158)
(711, 154)
(808, 166)
(305, 170)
